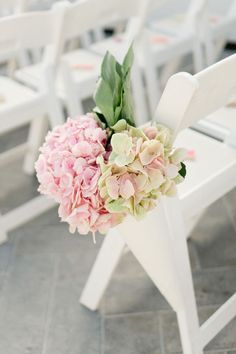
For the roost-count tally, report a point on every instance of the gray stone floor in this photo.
(43, 269)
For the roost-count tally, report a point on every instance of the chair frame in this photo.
(164, 254)
(33, 111)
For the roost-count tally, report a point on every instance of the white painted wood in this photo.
(37, 132)
(26, 212)
(159, 240)
(109, 256)
(10, 155)
(161, 249)
(218, 320)
(80, 67)
(20, 104)
(3, 237)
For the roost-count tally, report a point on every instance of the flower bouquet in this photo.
(100, 167)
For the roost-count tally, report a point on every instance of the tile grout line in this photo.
(197, 259)
(161, 335)
(7, 274)
(229, 212)
(102, 334)
(48, 320)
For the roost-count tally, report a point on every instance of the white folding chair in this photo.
(159, 240)
(8, 7)
(158, 48)
(20, 105)
(217, 28)
(80, 68)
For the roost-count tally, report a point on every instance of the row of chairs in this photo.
(159, 241)
(162, 41)
(31, 95)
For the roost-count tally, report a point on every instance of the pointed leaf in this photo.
(103, 99)
(182, 171)
(128, 61)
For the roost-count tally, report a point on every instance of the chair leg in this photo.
(3, 236)
(170, 69)
(74, 105)
(37, 131)
(188, 331)
(153, 86)
(139, 97)
(198, 56)
(103, 268)
(159, 244)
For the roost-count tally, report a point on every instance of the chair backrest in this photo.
(189, 98)
(32, 30)
(86, 15)
(8, 7)
(196, 11)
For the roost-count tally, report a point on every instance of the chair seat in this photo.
(85, 67)
(163, 46)
(13, 94)
(212, 159)
(169, 25)
(225, 118)
(173, 25)
(19, 104)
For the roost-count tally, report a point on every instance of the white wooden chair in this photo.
(217, 28)
(20, 105)
(158, 48)
(80, 68)
(8, 7)
(159, 240)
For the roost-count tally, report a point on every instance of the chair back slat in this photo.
(31, 30)
(189, 98)
(86, 15)
(8, 7)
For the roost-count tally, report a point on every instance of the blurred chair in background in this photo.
(20, 105)
(80, 67)
(159, 240)
(159, 48)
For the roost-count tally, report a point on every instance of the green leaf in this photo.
(117, 90)
(128, 61)
(127, 111)
(99, 117)
(182, 171)
(119, 69)
(108, 70)
(104, 101)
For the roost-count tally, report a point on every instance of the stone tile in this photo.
(215, 286)
(18, 187)
(211, 352)
(46, 234)
(215, 237)
(138, 295)
(23, 305)
(129, 267)
(71, 329)
(132, 334)
(222, 342)
(13, 138)
(138, 291)
(230, 200)
(6, 252)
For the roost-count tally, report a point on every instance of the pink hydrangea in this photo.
(68, 172)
